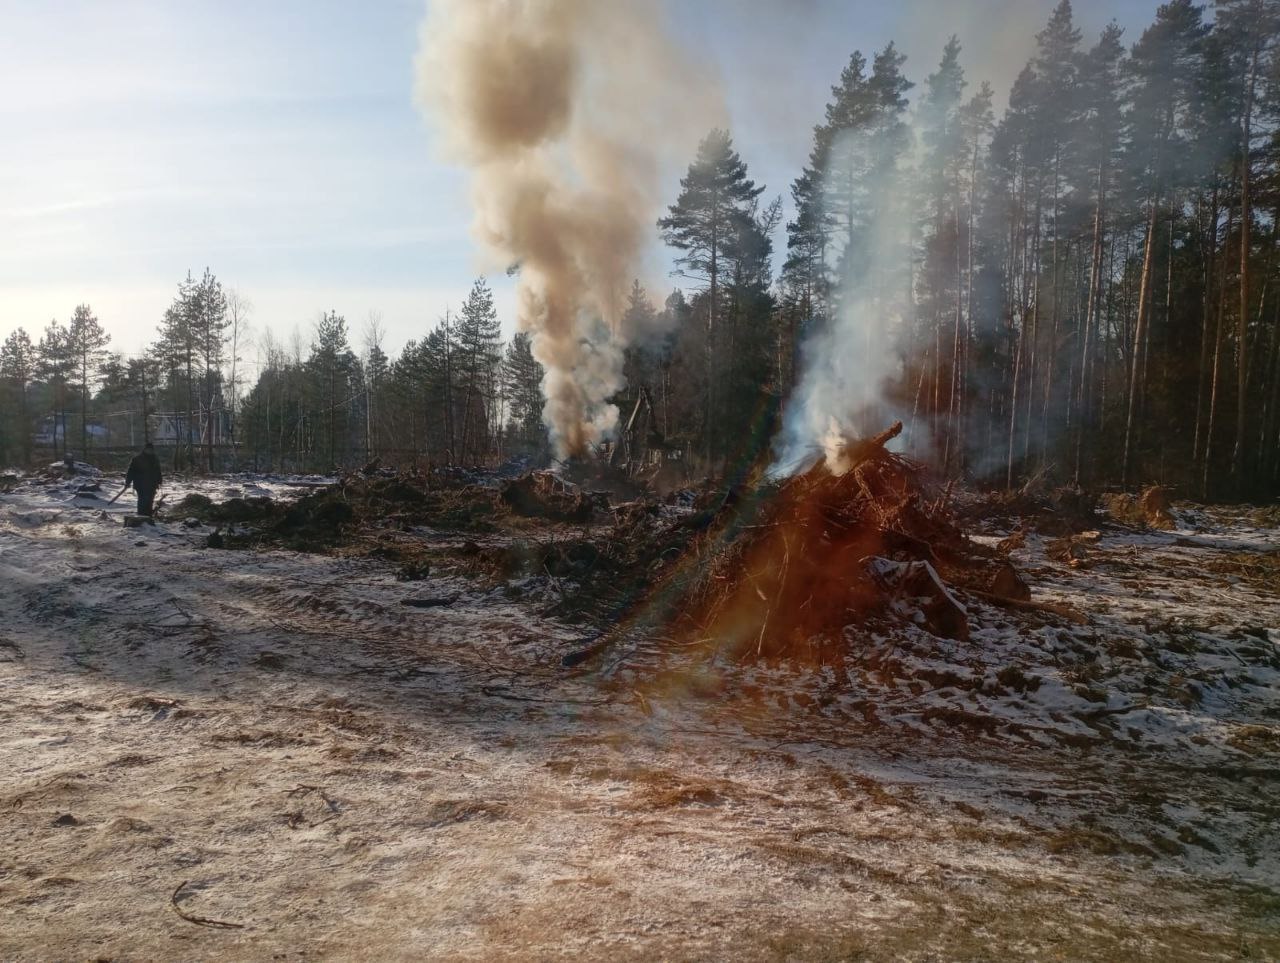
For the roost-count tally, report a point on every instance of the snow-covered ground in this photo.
(275, 742)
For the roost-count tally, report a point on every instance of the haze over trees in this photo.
(1084, 285)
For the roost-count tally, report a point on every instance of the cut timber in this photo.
(137, 521)
(1054, 608)
(1007, 583)
(918, 592)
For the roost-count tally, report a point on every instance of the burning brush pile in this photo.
(784, 569)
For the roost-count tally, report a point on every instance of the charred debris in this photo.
(759, 568)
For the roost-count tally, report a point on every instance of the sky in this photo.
(278, 144)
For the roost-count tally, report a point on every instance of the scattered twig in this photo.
(199, 920)
(491, 691)
(431, 602)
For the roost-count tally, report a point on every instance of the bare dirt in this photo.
(254, 755)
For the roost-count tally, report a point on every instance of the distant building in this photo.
(169, 428)
(50, 431)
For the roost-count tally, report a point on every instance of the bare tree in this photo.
(375, 369)
(240, 335)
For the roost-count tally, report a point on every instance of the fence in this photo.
(230, 458)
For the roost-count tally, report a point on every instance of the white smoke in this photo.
(848, 363)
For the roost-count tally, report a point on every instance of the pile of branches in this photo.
(786, 569)
(543, 494)
(828, 551)
(324, 518)
(1062, 511)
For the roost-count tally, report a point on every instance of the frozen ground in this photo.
(274, 742)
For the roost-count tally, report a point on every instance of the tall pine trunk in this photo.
(1139, 341)
(1242, 322)
(1090, 317)
(1215, 379)
(1211, 256)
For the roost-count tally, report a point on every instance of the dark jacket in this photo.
(144, 472)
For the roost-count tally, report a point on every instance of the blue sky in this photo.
(277, 142)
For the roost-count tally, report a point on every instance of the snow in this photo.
(344, 776)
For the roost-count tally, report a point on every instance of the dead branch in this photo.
(199, 920)
(1054, 608)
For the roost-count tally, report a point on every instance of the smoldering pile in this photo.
(790, 569)
(355, 504)
(760, 569)
(390, 514)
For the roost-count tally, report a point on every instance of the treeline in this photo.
(457, 396)
(1084, 287)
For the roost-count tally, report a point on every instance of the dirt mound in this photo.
(254, 508)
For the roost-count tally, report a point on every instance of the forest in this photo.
(1081, 289)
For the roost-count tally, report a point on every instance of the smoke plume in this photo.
(848, 363)
(566, 113)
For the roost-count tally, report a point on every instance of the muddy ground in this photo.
(265, 754)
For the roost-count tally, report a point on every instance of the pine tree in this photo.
(332, 365)
(842, 148)
(55, 365)
(1164, 65)
(376, 369)
(239, 333)
(522, 376)
(86, 345)
(716, 197)
(804, 272)
(208, 323)
(868, 135)
(176, 351)
(142, 379)
(479, 346)
(747, 358)
(939, 283)
(639, 320)
(1252, 28)
(17, 370)
(1100, 124)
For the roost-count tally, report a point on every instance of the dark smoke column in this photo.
(566, 113)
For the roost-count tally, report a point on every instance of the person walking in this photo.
(144, 476)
